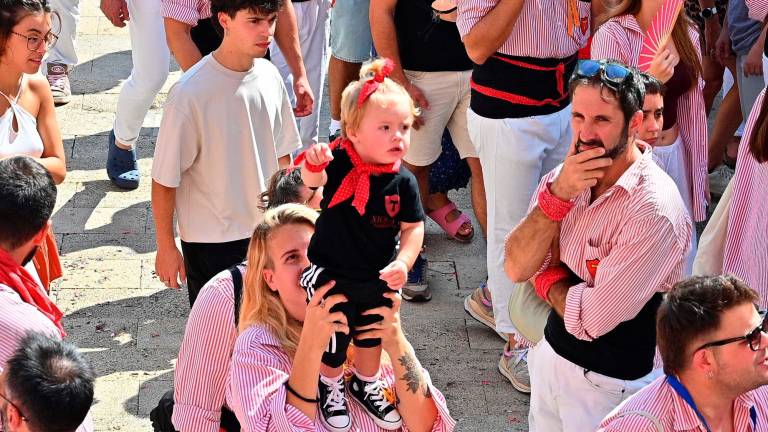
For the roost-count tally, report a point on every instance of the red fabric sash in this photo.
(19, 280)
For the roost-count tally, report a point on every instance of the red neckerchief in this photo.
(357, 182)
(19, 280)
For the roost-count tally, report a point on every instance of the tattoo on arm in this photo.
(413, 377)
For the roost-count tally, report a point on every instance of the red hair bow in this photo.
(372, 84)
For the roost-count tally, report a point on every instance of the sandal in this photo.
(122, 168)
(452, 228)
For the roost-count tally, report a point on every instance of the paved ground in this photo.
(130, 327)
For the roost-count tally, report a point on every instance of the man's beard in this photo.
(613, 153)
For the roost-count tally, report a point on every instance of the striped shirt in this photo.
(186, 11)
(257, 392)
(661, 401)
(203, 364)
(627, 245)
(540, 31)
(16, 319)
(621, 38)
(746, 244)
(758, 9)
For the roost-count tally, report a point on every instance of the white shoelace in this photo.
(375, 391)
(57, 81)
(335, 400)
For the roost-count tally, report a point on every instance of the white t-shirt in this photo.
(220, 137)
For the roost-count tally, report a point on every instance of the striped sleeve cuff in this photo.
(286, 417)
(180, 11)
(572, 315)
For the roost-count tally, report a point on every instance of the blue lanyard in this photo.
(680, 389)
(683, 392)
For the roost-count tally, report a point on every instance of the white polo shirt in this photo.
(220, 137)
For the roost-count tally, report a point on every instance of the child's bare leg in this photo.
(329, 372)
(367, 360)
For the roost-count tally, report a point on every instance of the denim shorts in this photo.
(351, 31)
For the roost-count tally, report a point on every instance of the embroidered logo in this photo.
(592, 267)
(392, 205)
(584, 23)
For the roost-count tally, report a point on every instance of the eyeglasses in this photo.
(753, 338)
(611, 73)
(23, 417)
(34, 42)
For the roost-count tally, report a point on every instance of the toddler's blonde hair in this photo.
(387, 92)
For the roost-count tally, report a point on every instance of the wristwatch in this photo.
(708, 13)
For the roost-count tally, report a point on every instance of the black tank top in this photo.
(676, 87)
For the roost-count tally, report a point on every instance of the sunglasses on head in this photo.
(611, 73)
(753, 338)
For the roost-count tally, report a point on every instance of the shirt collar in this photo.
(685, 419)
(629, 22)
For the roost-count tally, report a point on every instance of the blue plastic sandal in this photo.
(122, 168)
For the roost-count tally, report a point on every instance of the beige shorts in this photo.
(448, 95)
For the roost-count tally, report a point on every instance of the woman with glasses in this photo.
(28, 123)
(681, 149)
(715, 350)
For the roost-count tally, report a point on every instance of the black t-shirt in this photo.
(359, 246)
(427, 44)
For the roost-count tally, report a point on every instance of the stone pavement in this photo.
(129, 326)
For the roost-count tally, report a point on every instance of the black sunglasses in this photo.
(23, 417)
(611, 73)
(753, 338)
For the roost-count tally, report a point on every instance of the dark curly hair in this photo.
(231, 7)
(13, 11)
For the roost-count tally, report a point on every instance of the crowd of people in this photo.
(587, 175)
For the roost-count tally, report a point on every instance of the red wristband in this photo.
(547, 278)
(553, 207)
(302, 158)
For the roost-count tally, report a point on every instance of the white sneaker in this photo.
(719, 179)
(514, 365)
(334, 414)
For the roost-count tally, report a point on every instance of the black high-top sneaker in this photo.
(372, 397)
(333, 406)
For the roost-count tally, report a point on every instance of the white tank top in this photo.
(22, 141)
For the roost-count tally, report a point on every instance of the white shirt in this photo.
(220, 137)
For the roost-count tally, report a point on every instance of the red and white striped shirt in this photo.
(540, 31)
(16, 319)
(257, 392)
(203, 365)
(661, 401)
(621, 38)
(186, 11)
(746, 244)
(758, 9)
(627, 245)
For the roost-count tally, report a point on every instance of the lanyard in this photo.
(683, 392)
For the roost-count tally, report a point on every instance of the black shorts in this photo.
(361, 295)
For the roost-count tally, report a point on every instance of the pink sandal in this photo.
(452, 228)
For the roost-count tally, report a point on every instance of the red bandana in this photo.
(17, 278)
(372, 84)
(357, 183)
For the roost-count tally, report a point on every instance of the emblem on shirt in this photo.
(392, 204)
(592, 267)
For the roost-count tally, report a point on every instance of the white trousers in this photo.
(65, 49)
(671, 159)
(313, 21)
(514, 154)
(151, 60)
(566, 397)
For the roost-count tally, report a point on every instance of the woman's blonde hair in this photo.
(680, 34)
(388, 91)
(260, 304)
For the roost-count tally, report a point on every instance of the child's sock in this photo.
(331, 380)
(368, 378)
(335, 126)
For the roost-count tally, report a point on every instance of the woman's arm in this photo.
(53, 158)
(178, 36)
